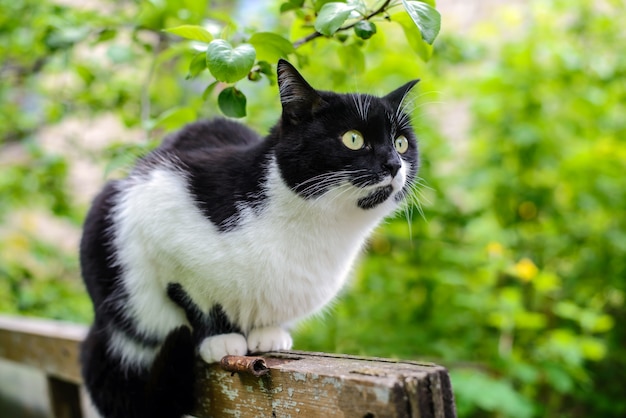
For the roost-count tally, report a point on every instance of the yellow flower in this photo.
(495, 249)
(526, 270)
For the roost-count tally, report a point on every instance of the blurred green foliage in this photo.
(510, 271)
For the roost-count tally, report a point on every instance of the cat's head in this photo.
(358, 146)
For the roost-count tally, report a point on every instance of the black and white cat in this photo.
(220, 240)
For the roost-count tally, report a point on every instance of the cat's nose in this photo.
(392, 166)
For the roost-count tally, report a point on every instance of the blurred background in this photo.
(509, 269)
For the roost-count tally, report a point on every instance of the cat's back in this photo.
(211, 134)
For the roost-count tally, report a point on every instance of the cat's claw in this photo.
(261, 340)
(212, 349)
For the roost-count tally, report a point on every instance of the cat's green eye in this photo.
(401, 144)
(353, 140)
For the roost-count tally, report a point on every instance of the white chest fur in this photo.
(279, 264)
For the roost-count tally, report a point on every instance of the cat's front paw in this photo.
(212, 349)
(261, 340)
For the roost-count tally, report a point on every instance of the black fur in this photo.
(213, 153)
(204, 325)
(226, 167)
(165, 390)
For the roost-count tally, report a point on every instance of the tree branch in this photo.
(316, 34)
(306, 39)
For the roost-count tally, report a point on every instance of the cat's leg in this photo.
(265, 339)
(216, 335)
(222, 337)
(196, 318)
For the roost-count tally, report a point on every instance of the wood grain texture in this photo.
(299, 384)
(322, 385)
(51, 346)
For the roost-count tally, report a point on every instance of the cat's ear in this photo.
(396, 97)
(298, 98)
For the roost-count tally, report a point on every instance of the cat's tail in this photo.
(163, 391)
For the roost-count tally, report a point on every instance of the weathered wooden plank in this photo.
(51, 346)
(297, 384)
(322, 385)
(64, 398)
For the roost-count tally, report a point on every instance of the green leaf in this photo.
(364, 29)
(208, 90)
(85, 73)
(197, 65)
(232, 102)
(291, 5)
(106, 34)
(265, 68)
(270, 46)
(196, 8)
(195, 33)
(229, 64)
(413, 36)
(254, 76)
(426, 17)
(318, 4)
(332, 16)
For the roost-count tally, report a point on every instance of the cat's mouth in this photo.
(380, 189)
(376, 197)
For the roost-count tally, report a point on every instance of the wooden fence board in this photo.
(51, 346)
(297, 384)
(322, 385)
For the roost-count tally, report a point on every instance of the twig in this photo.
(145, 89)
(306, 39)
(254, 365)
(316, 34)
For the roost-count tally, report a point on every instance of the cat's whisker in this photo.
(362, 104)
(409, 219)
(358, 103)
(417, 97)
(324, 183)
(342, 191)
(419, 184)
(414, 198)
(402, 107)
(339, 190)
(317, 181)
(368, 101)
(329, 175)
(420, 210)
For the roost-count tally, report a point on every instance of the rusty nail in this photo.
(254, 365)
